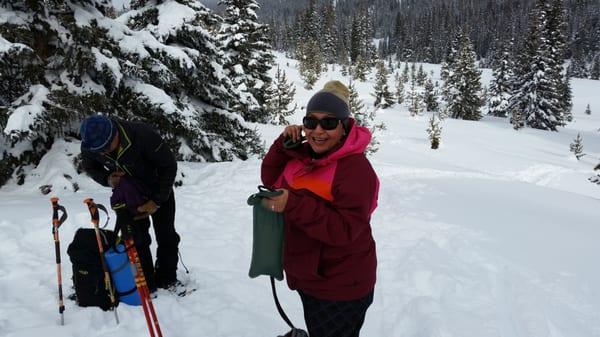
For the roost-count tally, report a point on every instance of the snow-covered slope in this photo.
(494, 234)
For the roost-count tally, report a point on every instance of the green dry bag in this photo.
(267, 245)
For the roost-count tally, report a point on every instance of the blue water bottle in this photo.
(123, 275)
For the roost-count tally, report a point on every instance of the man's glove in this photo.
(149, 207)
(114, 178)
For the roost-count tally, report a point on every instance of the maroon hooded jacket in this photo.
(329, 252)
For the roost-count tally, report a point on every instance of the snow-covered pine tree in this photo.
(595, 72)
(356, 104)
(555, 34)
(414, 100)
(248, 55)
(361, 37)
(566, 98)
(329, 32)
(577, 147)
(383, 97)
(413, 71)
(500, 88)
(447, 68)
(72, 60)
(464, 83)
(484, 95)
(281, 95)
(536, 92)
(310, 62)
(364, 117)
(390, 65)
(430, 96)
(343, 48)
(434, 130)
(399, 89)
(309, 52)
(405, 73)
(577, 68)
(421, 76)
(361, 69)
(588, 110)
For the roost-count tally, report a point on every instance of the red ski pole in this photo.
(93, 208)
(140, 279)
(56, 222)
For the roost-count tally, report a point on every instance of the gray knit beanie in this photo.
(332, 99)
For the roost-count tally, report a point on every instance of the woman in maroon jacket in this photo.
(329, 192)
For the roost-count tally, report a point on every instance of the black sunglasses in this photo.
(327, 123)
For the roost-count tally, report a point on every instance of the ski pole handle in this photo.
(56, 221)
(93, 210)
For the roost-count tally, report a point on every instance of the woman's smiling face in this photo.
(321, 140)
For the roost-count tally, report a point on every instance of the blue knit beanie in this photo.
(96, 133)
(332, 99)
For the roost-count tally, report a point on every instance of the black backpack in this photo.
(88, 276)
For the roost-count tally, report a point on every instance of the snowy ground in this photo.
(494, 234)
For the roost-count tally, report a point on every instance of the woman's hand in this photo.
(293, 131)
(277, 203)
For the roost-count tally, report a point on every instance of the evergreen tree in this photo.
(383, 97)
(565, 98)
(421, 76)
(415, 102)
(430, 96)
(355, 103)
(577, 147)
(364, 118)
(310, 62)
(399, 89)
(67, 66)
(464, 83)
(413, 72)
(500, 88)
(310, 23)
(577, 68)
(361, 39)
(280, 97)
(361, 69)
(329, 32)
(405, 73)
(595, 72)
(434, 130)
(554, 33)
(248, 55)
(537, 91)
(588, 110)
(448, 65)
(517, 117)
(309, 52)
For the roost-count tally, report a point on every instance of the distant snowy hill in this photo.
(495, 234)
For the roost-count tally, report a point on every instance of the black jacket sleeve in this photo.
(158, 154)
(94, 168)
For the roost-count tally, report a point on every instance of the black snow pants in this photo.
(164, 272)
(334, 318)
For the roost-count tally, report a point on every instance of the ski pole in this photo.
(93, 208)
(140, 279)
(56, 222)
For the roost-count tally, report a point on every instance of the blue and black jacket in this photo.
(142, 154)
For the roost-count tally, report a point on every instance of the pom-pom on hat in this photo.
(332, 99)
(96, 133)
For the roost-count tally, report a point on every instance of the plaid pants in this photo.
(334, 318)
